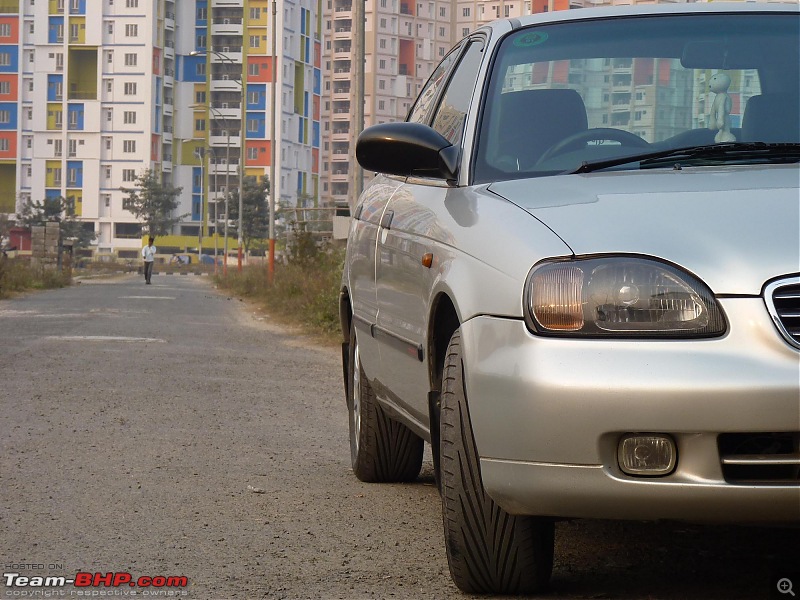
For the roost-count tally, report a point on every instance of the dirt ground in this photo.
(170, 431)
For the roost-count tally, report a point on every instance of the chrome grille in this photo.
(760, 458)
(783, 300)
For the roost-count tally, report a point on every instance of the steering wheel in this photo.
(577, 140)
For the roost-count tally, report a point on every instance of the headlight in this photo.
(619, 296)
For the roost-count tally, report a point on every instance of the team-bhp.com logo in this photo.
(93, 581)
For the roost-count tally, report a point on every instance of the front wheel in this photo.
(488, 550)
(381, 449)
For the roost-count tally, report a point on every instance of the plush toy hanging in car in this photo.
(720, 118)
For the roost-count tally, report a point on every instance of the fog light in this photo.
(647, 455)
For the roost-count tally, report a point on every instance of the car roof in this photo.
(582, 14)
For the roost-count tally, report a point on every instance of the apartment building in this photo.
(404, 41)
(93, 93)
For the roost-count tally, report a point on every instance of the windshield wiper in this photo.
(727, 150)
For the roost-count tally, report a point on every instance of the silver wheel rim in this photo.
(356, 396)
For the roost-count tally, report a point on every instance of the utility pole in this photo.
(359, 17)
(272, 145)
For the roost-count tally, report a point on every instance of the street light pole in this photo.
(272, 144)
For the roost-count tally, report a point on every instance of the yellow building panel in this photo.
(53, 174)
(55, 117)
(77, 30)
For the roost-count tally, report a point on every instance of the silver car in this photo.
(576, 275)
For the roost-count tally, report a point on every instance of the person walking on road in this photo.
(149, 256)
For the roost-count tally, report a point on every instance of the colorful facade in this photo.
(94, 93)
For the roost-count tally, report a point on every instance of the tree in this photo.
(56, 209)
(255, 209)
(153, 203)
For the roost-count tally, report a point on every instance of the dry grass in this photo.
(304, 293)
(18, 275)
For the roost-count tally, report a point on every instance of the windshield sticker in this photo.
(531, 39)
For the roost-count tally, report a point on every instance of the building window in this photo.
(255, 13)
(254, 69)
(131, 30)
(128, 175)
(200, 69)
(130, 117)
(255, 41)
(5, 87)
(131, 3)
(130, 88)
(200, 125)
(5, 30)
(200, 97)
(4, 145)
(466, 12)
(442, 11)
(5, 59)
(202, 13)
(129, 146)
(131, 59)
(5, 116)
(252, 153)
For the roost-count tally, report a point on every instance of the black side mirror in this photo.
(407, 149)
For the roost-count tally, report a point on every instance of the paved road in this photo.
(167, 430)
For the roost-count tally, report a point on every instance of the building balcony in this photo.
(225, 84)
(343, 12)
(226, 110)
(343, 136)
(227, 26)
(217, 140)
(226, 54)
(220, 167)
(343, 33)
(341, 74)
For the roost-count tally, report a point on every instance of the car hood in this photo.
(735, 228)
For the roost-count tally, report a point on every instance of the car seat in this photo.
(772, 118)
(532, 121)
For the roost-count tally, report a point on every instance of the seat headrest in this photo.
(531, 121)
(772, 118)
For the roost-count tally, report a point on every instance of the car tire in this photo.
(489, 551)
(382, 450)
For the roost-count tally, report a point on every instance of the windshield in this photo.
(562, 95)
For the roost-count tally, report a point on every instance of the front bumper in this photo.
(548, 415)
